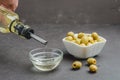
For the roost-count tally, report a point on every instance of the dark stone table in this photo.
(15, 63)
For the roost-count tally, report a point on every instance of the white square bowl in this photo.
(84, 51)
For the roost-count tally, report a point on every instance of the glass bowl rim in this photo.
(60, 56)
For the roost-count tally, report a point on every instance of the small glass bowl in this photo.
(46, 59)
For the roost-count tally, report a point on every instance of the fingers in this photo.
(15, 5)
(10, 4)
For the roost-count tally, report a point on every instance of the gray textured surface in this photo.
(70, 11)
(15, 64)
(55, 15)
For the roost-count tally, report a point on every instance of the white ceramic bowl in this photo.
(84, 51)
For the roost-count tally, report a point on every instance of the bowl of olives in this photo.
(84, 45)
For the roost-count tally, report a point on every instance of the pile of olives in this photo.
(83, 39)
(90, 61)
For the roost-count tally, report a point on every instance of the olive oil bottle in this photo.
(9, 22)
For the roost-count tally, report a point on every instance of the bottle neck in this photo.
(19, 28)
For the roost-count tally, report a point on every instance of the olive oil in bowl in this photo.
(46, 59)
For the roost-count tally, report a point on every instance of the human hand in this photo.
(9, 4)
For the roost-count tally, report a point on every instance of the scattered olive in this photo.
(91, 61)
(76, 65)
(93, 68)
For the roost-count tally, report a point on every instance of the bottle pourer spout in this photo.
(38, 38)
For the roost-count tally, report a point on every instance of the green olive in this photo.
(70, 34)
(92, 42)
(95, 35)
(93, 68)
(76, 65)
(95, 41)
(78, 41)
(80, 35)
(90, 39)
(69, 38)
(88, 44)
(73, 41)
(82, 44)
(74, 37)
(91, 61)
(84, 40)
(100, 40)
